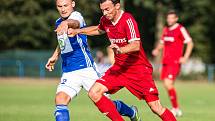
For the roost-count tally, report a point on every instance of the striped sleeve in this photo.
(132, 30)
(185, 35)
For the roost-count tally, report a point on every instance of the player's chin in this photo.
(64, 16)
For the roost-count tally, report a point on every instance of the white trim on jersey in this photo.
(133, 39)
(187, 37)
(131, 28)
(114, 23)
(88, 61)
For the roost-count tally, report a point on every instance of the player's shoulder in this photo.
(76, 13)
(180, 26)
(127, 15)
(58, 21)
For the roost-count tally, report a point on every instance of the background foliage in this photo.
(29, 24)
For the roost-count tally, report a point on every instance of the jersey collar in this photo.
(114, 23)
(174, 26)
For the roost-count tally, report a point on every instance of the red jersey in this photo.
(173, 39)
(123, 31)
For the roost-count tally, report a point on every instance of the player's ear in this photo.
(118, 6)
(73, 3)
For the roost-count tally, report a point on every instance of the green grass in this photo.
(33, 100)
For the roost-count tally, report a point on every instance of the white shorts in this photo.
(72, 82)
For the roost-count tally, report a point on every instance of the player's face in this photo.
(171, 19)
(109, 9)
(65, 7)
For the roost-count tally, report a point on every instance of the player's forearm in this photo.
(74, 24)
(91, 31)
(189, 49)
(159, 46)
(131, 47)
(56, 52)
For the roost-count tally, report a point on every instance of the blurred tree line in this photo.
(29, 24)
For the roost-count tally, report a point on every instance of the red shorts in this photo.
(170, 71)
(139, 84)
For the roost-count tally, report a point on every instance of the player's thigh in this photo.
(70, 84)
(89, 77)
(170, 71)
(144, 88)
(112, 81)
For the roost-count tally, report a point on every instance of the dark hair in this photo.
(113, 1)
(172, 12)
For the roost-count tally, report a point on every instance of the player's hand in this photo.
(155, 52)
(62, 28)
(50, 64)
(183, 60)
(116, 49)
(72, 32)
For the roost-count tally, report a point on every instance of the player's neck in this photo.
(117, 17)
(173, 26)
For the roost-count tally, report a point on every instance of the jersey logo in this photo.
(63, 81)
(169, 39)
(151, 90)
(107, 30)
(123, 40)
(61, 43)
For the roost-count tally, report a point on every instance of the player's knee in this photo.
(168, 84)
(157, 108)
(62, 99)
(94, 95)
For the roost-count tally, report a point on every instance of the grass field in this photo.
(32, 100)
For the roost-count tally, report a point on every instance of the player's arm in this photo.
(157, 49)
(190, 45)
(66, 24)
(91, 31)
(53, 59)
(131, 47)
(187, 53)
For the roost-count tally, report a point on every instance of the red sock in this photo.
(168, 116)
(107, 107)
(173, 97)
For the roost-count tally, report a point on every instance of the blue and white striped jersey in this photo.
(75, 53)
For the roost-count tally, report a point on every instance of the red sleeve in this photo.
(101, 24)
(185, 35)
(132, 31)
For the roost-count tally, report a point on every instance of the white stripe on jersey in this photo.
(131, 27)
(186, 35)
(88, 61)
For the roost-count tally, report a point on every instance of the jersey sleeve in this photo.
(101, 24)
(77, 16)
(185, 35)
(132, 31)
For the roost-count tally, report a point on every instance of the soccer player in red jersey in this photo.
(131, 69)
(172, 42)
